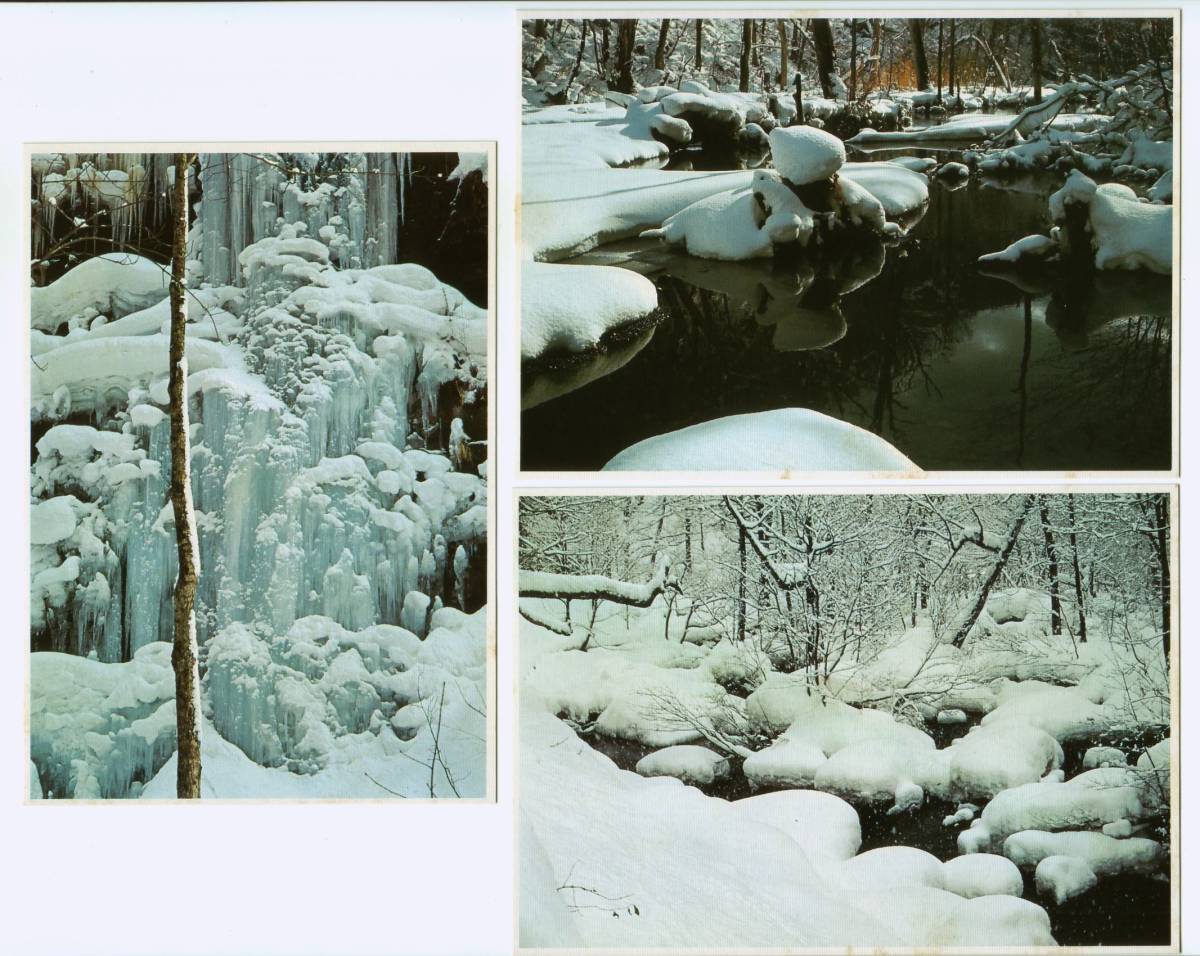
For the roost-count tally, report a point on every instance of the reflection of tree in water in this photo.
(909, 340)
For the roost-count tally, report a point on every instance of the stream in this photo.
(1125, 910)
(960, 369)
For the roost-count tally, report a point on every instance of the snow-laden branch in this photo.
(554, 625)
(572, 587)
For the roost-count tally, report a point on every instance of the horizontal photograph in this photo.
(822, 721)
(259, 474)
(820, 245)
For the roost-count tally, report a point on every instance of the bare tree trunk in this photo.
(539, 29)
(699, 45)
(1035, 37)
(1001, 559)
(941, 29)
(660, 51)
(783, 54)
(741, 605)
(853, 60)
(953, 77)
(184, 656)
(1078, 576)
(744, 64)
(916, 32)
(626, 40)
(823, 41)
(1051, 566)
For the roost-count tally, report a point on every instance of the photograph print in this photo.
(812, 722)
(258, 481)
(869, 244)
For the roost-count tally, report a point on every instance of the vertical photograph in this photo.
(879, 245)
(822, 721)
(258, 483)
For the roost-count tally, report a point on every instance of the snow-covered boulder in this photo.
(787, 439)
(804, 155)
(1086, 802)
(689, 763)
(1104, 757)
(825, 826)
(1104, 855)
(982, 874)
(1063, 877)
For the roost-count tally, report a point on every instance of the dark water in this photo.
(959, 369)
(1127, 910)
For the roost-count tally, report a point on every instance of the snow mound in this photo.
(114, 284)
(788, 439)
(570, 308)
(804, 154)
(1063, 878)
(825, 826)
(982, 874)
(691, 764)
(1086, 802)
(1104, 855)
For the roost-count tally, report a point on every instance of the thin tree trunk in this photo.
(941, 29)
(1051, 566)
(823, 41)
(783, 54)
(184, 656)
(916, 32)
(998, 564)
(699, 45)
(953, 76)
(1078, 576)
(853, 60)
(1035, 30)
(744, 64)
(741, 605)
(660, 51)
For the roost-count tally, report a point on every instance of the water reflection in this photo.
(958, 368)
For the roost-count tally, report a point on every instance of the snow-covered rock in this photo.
(689, 763)
(982, 874)
(789, 439)
(803, 154)
(1063, 877)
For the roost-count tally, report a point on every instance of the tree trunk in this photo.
(916, 32)
(744, 65)
(699, 45)
(823, 41)
(941, 29)
(853, 60)
(998, 564)
(1051, 566)
(184, 656)
(626, 39)
(660, 51)
(741, 605)
(953, 76)
(1078, 576)
(876, 54)
(1035, 37)
(783, 54)
(539, 29)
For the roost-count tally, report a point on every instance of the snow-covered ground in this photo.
(340, 502)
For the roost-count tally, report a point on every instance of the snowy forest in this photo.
(884, 245)
(259, 475)
(890, 720)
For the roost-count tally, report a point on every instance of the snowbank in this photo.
(789, 439)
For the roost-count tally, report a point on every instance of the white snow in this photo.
(1063, 878)
(569, 307)
(1104, 855)
(826, 827)
(982, 874)
(686, 762)
(788, 439)
(804, 154)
